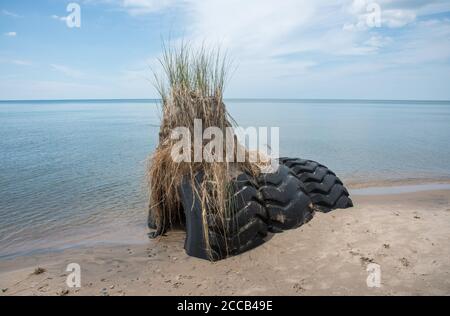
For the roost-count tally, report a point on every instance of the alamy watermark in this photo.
(74, 17)
(73, 280)
(251, 144)
(373, 18)
(374, 278)
(73, 20)
(368, 14)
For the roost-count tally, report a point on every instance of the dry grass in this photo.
(39, 270)
(191, 87)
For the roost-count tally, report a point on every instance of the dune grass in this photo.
(191, 87)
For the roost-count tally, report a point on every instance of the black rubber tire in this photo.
(245, 228)
(151, 221)
(287, 204)
(160, 229)
(326, 190)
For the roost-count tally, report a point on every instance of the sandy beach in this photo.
(405, 234)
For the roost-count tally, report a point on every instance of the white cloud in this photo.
(18, 62)
(308, 40)
(379, 41)
(303, 48)
(10, 34)
(68, 71)
(254, 24)
(11, 14)
(139, 7)
(369, 14)
(397, 18)
(45, 89)
(59, 18)
(427, 43)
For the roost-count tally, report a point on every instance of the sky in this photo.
(322, 49)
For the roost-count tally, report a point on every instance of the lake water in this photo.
(72, 173)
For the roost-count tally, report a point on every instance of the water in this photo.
(391, 190)
(72, 173)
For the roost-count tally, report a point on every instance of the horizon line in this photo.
(226, 99)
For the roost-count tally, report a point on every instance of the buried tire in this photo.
(325, 189)
(151, 220)
(270, 203)
(243, 229)
(287, 204)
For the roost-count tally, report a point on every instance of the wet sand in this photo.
(406, 234)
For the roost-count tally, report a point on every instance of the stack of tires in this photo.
(269, 203)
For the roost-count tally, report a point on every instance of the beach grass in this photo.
(191, 87)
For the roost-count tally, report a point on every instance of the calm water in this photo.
(72, 172)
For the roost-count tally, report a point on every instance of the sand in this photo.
(407, 235)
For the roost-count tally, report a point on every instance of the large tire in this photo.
(158, 229)
(325, 189)
(151, 220)
(287, 205)
(245, 228)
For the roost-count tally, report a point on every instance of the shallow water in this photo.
(400, 189)
(73, 172)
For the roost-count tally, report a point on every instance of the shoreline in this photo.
(406, 234)
(383, 183)
(399, 189)
(116, 233)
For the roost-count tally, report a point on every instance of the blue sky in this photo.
(281, 49)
